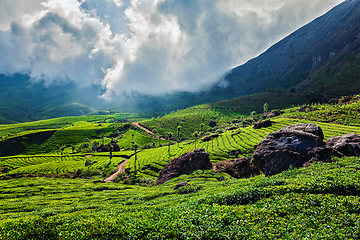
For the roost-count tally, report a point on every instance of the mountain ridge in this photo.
(297, 56)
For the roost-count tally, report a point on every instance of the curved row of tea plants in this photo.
(150, 161)
(319, 202)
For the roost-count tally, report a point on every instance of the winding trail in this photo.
(121, 168)
(136, 124)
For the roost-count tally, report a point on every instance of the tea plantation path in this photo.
(138, 125)
(121, 168)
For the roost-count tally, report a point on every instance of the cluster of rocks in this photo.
(295, 145)
(238, 168)
(105, 148)
(185, 164)
(262, 124)
(210, 137)
(273, 113)
(299, 146)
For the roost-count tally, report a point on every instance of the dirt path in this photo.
(121, 168)
(136, 124)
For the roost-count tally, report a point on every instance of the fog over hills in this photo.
(308, 57)
(163, 55)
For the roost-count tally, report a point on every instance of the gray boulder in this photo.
(185, 164)
(182, 184)
(296, 145)
(348, 144)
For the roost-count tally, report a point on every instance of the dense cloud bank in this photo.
(150, 46)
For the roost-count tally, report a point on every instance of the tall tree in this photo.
(111, 148)
(266, 107)
(135, 147)
(178, 134)
(202, 125)
(196, 135)
(169, 134)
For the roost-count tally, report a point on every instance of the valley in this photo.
(54, 188)
(134, 120)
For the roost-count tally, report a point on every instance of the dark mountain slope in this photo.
(331, 37)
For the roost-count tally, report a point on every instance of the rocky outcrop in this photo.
(348, 144)
(182, 184)
(273, 113)
(105, 148)
(212, 124)
(305, 127)
(238, 168)
(297, 145)
(185, 164)
(210, 137)
(305, 108)
(262, 124)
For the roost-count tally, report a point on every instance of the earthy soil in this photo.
(136, 124)
(121, 168)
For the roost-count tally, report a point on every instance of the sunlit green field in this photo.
(319, 202)
(52, 189)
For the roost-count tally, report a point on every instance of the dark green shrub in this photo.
(188, 189)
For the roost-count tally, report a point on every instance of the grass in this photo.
(346, 114)
(243, 139)
(59, 201)
(319, 202)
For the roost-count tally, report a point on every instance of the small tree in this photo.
(111, 148)
(202, 125)
(253, 115)
(95, 145)
(62, 148)
(57, 149)
(102, 139)
(266, 107)
(169, 136)
(196, 135)
(178, 135)
(135, 147)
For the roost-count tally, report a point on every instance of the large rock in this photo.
(305, 127)
(238, 168)
(105, 148)
(348, 144)
(296, 145)
(261, 124)
(185, 164)
(210, 137)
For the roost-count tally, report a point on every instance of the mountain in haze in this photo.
(323, 55)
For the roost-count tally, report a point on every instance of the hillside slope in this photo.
(333, 37)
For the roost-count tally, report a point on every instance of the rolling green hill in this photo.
(52, 193)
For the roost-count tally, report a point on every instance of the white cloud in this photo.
(150, 46)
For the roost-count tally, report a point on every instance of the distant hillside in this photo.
(318, 56)
(322, 57)
(23, 101)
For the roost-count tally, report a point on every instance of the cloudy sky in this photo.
(148, 46)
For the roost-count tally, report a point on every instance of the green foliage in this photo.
(243, 139)
(243, 106)
(188, 120)
(319, 202)
(347, 114)
(125, 142)
(188, 189)
(266, 107)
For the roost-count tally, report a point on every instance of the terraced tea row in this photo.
(57, 164)
(231, 144)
